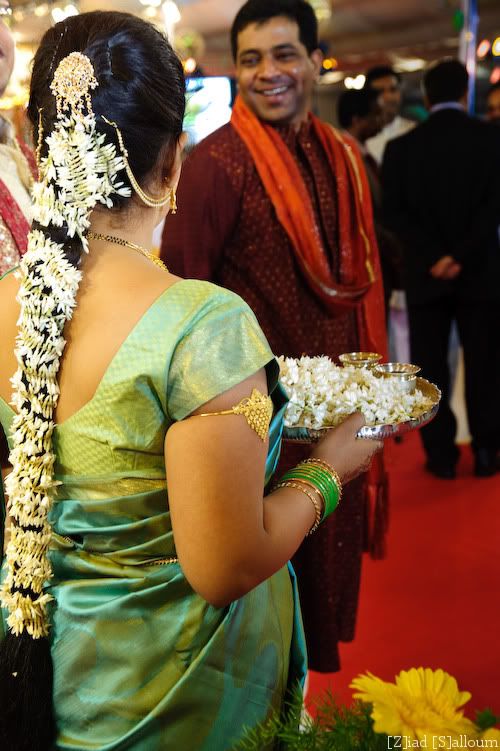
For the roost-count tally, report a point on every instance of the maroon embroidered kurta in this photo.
(226, 231)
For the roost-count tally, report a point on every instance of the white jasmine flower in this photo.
(322, 394)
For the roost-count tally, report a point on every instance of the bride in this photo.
(147, 598)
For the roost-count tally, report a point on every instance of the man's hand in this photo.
(446, 268)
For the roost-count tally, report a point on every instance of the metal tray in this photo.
(301, 434)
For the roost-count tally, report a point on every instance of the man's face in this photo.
(275, 72)
(6, 51)
(493, 107)
(388, 86)
(374, 121)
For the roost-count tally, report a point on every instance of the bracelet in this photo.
(333, 472)
(314, 501)
(322, 479)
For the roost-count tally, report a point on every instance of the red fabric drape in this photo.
(14, 219)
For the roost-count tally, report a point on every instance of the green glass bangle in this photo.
(333, 475)
(319, 479)
(332, 496)
(322, 479)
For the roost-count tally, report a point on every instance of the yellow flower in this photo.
(421, 703)
(492, 734)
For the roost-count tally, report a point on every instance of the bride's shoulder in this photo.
(201, 297)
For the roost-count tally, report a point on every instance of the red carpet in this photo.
(434, 602)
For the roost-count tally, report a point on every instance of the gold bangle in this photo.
(333, 472)
(315, 502)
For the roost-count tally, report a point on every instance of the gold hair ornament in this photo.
(153, 203)
(257, 410)
(73, 80)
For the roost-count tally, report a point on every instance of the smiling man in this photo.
(283, 206)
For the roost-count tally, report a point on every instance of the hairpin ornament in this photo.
(73, 80)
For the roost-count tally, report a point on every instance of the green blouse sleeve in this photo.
(222, 346)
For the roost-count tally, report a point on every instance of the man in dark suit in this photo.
(442, 197)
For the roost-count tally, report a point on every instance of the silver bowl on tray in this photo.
(302, 434)
(404, 374)
(360, 359)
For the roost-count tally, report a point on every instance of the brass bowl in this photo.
(360, 359)
(404, 374)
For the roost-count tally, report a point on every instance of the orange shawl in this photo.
(360, 285)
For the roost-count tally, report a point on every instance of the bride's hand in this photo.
(349, 456)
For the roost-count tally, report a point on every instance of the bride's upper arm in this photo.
(215, 477)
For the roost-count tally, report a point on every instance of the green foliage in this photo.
(486, 719)
(335, 728)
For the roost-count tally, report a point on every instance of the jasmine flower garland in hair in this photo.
(49, 284)
(79, 171)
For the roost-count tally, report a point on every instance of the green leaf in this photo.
(486, 719)
(334, 728)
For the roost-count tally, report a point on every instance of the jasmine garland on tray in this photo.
(323, 394)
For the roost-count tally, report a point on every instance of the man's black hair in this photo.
(446, 81)
(355, 103)
(261, 11)
(380, 71)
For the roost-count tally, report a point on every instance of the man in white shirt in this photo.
(388, 83)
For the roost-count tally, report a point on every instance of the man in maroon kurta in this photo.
(227, 231)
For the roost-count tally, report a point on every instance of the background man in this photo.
(361, 116)
(285, 226)
(443, 200)
(493, 104)
(387, 83)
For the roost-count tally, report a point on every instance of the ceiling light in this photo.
(410, 64)
(41, 10)
(57, 14)
(495, 47)
(483, 48)
(332, 76)
(171, 12)
(355, 83)
(190, 66)
(322, 8)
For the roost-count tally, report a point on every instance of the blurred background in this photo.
(355, 35)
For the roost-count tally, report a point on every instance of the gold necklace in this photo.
(126, 243)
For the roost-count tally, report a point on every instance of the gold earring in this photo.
(40, 139)
(173, 201)
(153, 203)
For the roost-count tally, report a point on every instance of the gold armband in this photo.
(257, 410)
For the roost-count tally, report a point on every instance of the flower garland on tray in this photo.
(323, 394)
